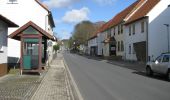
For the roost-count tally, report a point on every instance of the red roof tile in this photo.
(118, 18)
(143, 10)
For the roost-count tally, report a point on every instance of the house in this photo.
(101, 40)
(146, 30)
(4, 24)
(114, 34)
(93, 40)
(92, 45)
(22, 12)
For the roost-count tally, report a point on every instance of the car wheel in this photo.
(168, 75)
(149, 71)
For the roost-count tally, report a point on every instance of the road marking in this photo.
(73, 82)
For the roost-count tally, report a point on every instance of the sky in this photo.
(67, 13)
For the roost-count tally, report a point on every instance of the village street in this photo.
(99, 80)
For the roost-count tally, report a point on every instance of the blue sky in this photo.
(67, 13)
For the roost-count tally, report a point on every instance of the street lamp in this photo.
(167, 25)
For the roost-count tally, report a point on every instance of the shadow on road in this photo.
(155, 76)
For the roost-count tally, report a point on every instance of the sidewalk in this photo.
(17, 87)
(55, 85)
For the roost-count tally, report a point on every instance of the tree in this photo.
(56, 47)
(83, 31)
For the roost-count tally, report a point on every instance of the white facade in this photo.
(92, 43)
(157, 31)
(100, 44)
(131, 38)
(22, 12)
(119, 37)
(3, 42)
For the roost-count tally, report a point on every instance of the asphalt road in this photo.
(99, 80)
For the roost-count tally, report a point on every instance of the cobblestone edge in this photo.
(75, 93)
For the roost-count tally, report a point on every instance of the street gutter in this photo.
(75, 91)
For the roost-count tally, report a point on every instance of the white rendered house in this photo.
(4, 24)
(21, 12)
(146, 30)
(114, 33)
(92, 45)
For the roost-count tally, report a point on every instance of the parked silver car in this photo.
(161, 65)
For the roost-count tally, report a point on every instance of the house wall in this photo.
(92, 43)
(21, 13)
(157, 33)
(134, 38)
(3, 48)
(105, 46)
(100, 44)
(118, 37)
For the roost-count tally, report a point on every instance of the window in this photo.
(122, 46)
(165, 58)
(114, 30)
(109, 33)
(133, 50)
(118, 46)
(118, 29)
(129, 49)
(12, 1)
(142, 26)
(122, 29)
(129, 30)
(133, 29)
(159, 58)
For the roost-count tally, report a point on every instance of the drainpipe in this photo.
(147, 31)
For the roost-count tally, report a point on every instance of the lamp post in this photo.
(167, 25)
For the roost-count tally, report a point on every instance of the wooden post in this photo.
(40, 54)
(21, 57)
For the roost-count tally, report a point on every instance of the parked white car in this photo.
(161, 65)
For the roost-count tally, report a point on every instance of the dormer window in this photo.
(12, 1)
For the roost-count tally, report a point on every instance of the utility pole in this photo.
(167, 25)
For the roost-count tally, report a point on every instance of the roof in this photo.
(104, 27)
(120, 16)
(42, 5)
(15, 34)
(7, 21)
(143, 10)
(98, 25)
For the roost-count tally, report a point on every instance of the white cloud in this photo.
(75, 16)
(105, 2)
(64, 34)
(59, 3)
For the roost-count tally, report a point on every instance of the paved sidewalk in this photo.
(17, 87)
(55, 85)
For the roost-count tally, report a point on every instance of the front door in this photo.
(30, 54)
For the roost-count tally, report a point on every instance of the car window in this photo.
(165, 58)
(159, 58)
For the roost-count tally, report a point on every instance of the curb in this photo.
(75, 91)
